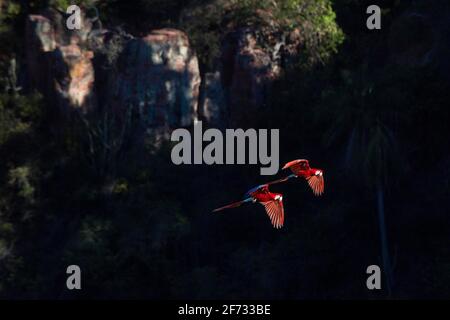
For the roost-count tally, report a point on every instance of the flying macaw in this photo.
(272, 202)
(300, 168)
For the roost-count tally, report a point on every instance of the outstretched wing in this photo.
(317, 184)
(297, 166)
(275, 211)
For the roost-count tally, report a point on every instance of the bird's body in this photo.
(272, 202)
(300, 169)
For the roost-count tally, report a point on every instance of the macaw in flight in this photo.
(272, 202)
(300, 169)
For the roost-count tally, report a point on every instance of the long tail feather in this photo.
(233, 205)
(281, 180)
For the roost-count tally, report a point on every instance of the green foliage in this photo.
(20, 117)
(9, 12)
(206, 24)
(19, 179)
(18, 113)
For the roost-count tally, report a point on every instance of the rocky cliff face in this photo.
(247, 70)
(212, 105)
(73, 77)
(159, 76)
(58, 65)
(40, 41)
(156, 75)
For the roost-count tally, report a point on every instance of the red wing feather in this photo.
(317, 184)
(275, 211)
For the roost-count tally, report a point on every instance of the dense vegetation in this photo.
(140, 227)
